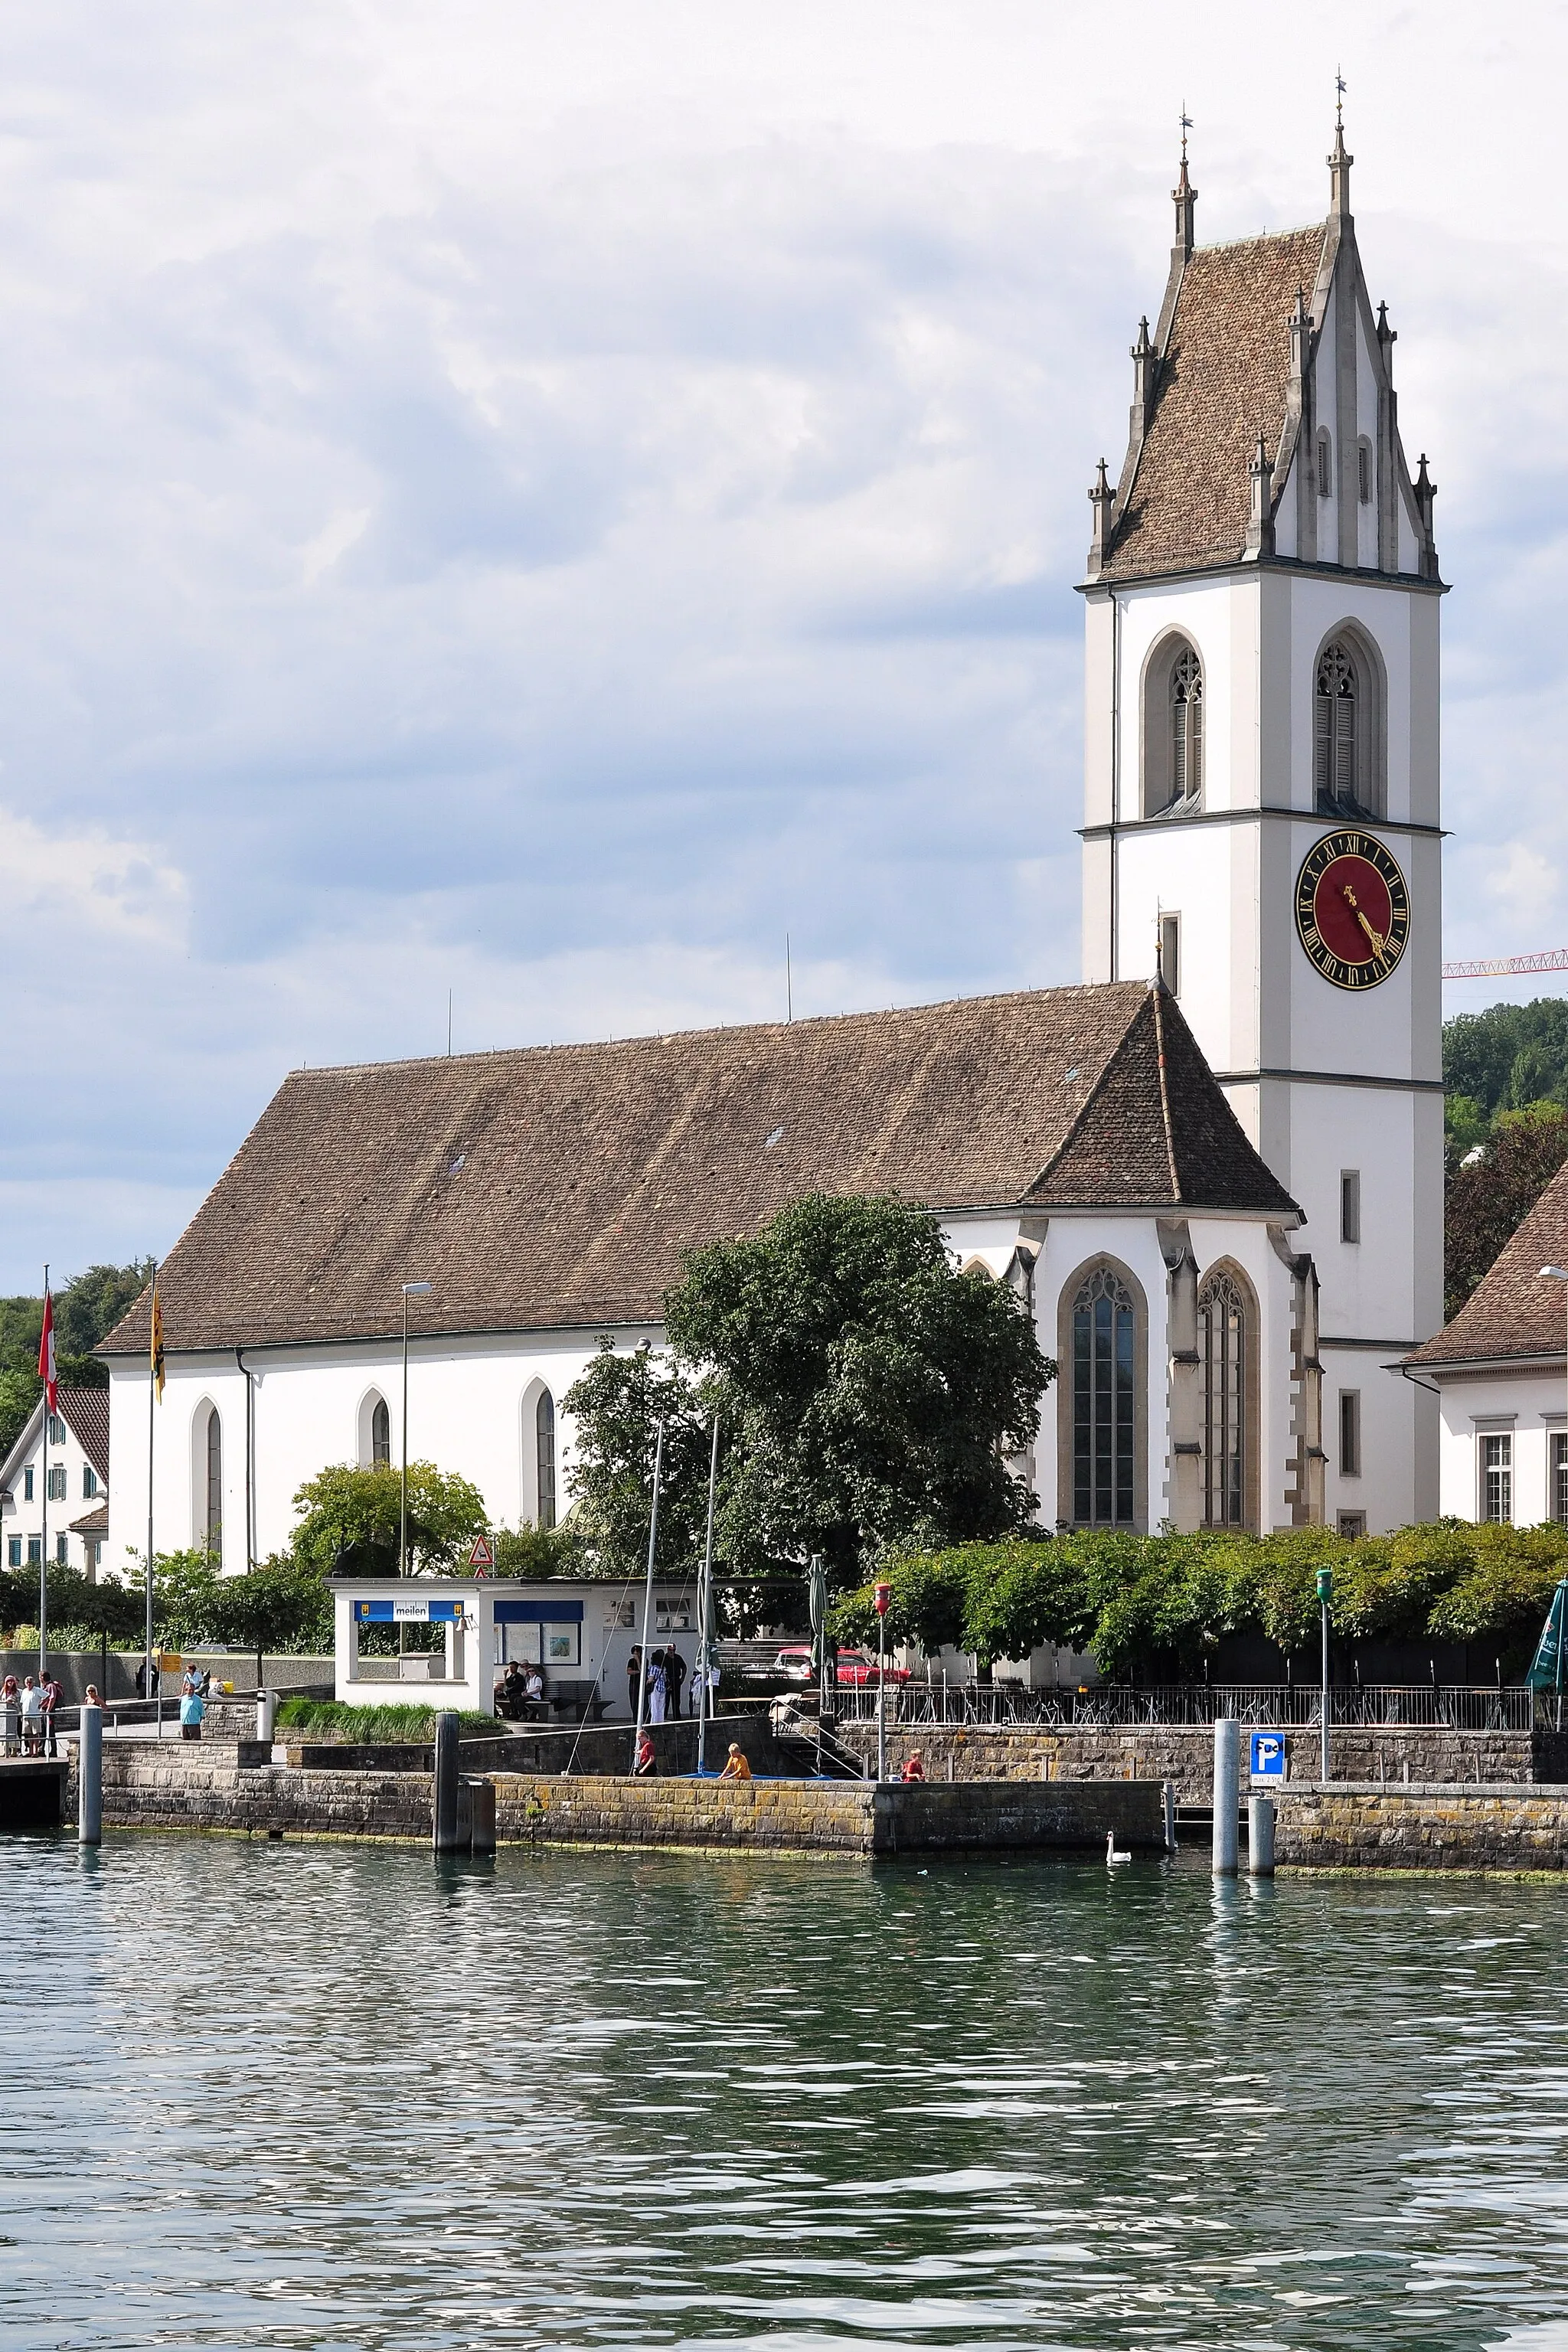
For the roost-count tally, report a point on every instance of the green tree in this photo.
(532, 1554)
(617, 1405)
(344, 1506)
(1487, 1202)
(91, 1303)
(868, 1393)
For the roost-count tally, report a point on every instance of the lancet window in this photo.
(1225, 1341)
(1334, 725)
(1104, 1426)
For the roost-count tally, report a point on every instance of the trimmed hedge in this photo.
(1129, 1600)
(376, 1727)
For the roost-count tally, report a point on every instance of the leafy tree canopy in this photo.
(868, 1395)
(343, 1506)
(1486, 1200)
(1147, 1606)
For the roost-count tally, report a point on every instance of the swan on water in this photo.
(1112, 1852)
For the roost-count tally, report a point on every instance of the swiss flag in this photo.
(46, 1352)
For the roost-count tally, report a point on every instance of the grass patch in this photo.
(376, 1727)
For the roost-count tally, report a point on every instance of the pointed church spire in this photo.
(1386, 339)
(1183, 195)
(1102, 499)
(1142, 380)
(1339, 161)
(1260, 518)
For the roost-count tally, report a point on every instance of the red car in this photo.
(855, 1668)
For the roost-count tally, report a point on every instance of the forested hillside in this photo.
(1506, 1128)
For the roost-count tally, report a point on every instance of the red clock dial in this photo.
(1352, 909)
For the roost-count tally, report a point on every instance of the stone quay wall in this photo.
(1184, 1753)
(1502, 1828)
(235, 1786)
(828, 1816)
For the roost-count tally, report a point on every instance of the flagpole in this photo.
(153, 1351)
(45, 1349)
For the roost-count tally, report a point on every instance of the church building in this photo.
(1213, 1171)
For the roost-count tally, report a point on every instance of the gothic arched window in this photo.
(213, 1515)
(1104, 1402)
(1334, 728)
(544, 1437)
(380, 1435)
(1225, 1344)
(1186, 727)
(1174, 727)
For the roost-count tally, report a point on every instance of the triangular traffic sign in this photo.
(483, 1553)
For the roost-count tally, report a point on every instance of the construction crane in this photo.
(1550, 960)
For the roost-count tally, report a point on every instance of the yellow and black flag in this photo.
(156, 1341)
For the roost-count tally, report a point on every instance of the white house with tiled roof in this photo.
(71, 1481)
(1500, 1371)
(1214, 1170)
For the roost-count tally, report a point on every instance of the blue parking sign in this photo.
(1269, 1755)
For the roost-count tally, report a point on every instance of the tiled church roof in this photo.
(1222, 381)
(557, 1186)
(1513, 1314)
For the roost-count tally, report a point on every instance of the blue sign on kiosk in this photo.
(1269, 1755)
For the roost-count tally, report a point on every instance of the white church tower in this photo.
(1261, 799)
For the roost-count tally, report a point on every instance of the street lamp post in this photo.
(1555, 1273)
(410, 1290)
(1325, 1594)
(883, 1595)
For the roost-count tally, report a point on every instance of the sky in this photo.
(529, 507)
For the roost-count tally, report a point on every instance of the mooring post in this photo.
(1168, 1795)
(90, 1778)
(1260, 1837)
(444, 1807)
(483, 1816)
(266, 1715)
(1226, 1795)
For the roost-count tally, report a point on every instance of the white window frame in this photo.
(1494, 1463)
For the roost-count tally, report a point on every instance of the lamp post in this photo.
(883, 1595)
(1325, 1594)
(1555, 1273)
(410, 1290)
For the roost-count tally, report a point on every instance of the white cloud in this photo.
(491, 500)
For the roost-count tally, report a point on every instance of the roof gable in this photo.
(560, 1186)
(1511, 1313)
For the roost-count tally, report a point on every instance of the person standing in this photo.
(11, 1715)
(634, 1679)
(51, 1690)
(656, 1688)
(32, 1718)
(646, 1765)
(193, 1707)
(674, 1676)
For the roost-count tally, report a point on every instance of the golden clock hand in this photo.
(1380, 945)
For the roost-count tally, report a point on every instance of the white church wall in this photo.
(465, 1405)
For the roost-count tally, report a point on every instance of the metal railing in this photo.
(1442, 1707)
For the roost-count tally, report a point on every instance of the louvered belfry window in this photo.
(1104, 1342)
(1186, 727)
(1334, 718)
(1223, 1315)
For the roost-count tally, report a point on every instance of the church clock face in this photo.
(1352, 909)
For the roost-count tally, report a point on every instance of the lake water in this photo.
(298, 2095)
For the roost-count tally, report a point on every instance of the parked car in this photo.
(856, 1670)
(795, 1664)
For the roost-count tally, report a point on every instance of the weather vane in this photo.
(1186, 126)
(1339, 97)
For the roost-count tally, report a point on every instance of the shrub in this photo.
(376, 1725)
